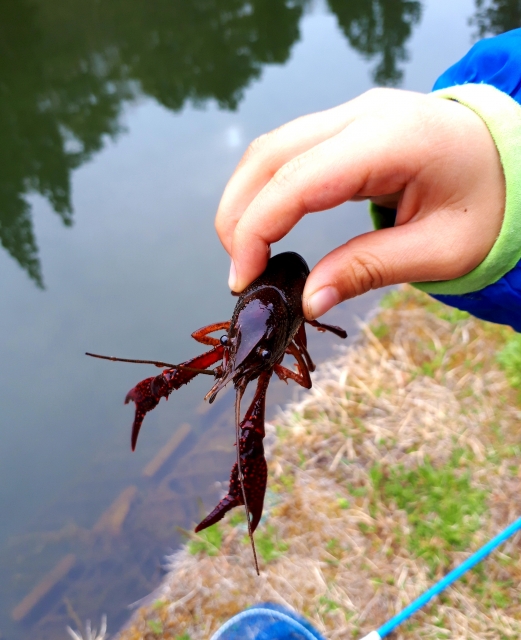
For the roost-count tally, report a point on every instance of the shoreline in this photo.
(401, 460)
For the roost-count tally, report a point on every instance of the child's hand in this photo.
(432, 159)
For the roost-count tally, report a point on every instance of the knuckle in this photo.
(367, 272)
(286, 174)
(257, 146)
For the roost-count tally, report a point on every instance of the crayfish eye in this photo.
(224, 340)
(265, 354)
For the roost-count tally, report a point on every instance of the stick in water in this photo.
(208, 372)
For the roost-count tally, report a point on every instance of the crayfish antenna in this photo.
(156, 363)
(238, 396)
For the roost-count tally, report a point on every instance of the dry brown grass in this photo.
(421, 390)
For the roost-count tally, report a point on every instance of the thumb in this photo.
(443, 246)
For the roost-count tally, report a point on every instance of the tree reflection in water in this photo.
(67, 68)
(379, 29)
(496, 16)
(57, 100)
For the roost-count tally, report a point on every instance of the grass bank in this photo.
(403, 458)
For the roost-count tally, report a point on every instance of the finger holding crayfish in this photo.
(267, 323)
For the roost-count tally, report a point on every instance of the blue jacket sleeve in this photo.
(497, 62)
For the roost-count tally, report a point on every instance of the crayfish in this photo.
(267, 323)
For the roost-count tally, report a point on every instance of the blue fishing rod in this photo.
(445, 582)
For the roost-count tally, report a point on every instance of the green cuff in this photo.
(502, 115)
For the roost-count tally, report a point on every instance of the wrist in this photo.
(502, 116)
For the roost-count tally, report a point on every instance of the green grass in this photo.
(380, 330)
(334, 548)
(510, 360)
(442, 506)
(357, 492)
(238, 518)
(491, 593)
(328, 604)
(268, 544)
(343, 503)
(392, 299)
(266, 538)
(450, 313)
(208, 541)
(155, 626)
(287, 480)
(395, 299)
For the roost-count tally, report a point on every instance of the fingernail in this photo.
(322, 300)
(232, 278)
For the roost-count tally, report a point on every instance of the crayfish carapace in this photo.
(267, 323)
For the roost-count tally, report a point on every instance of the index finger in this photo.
(364, 159)
(266, 155)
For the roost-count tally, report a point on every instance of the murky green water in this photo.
(120, 123)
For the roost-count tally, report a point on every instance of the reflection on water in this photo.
(67, 67)
(104, 567)
(58, 98)
(379, 29)
(496, 16)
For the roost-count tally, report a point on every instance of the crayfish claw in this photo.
(225, 505)
(255, 480)
(147, 393)
(231, 500)
(255, 472)
(146, 400)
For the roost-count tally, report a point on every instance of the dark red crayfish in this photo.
(267, 323)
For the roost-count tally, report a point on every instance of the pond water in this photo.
(120, 123)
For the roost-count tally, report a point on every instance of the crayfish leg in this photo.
(302, 343)
(300, 337)
(338, 331)
(201, 335)
(302, 377)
